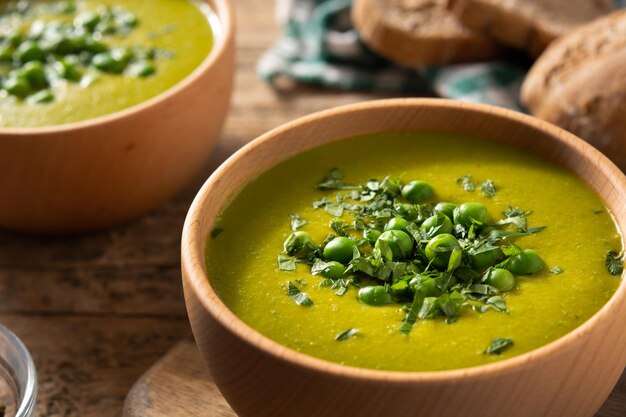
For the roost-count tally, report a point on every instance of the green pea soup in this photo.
(242, 266)
(164, 40)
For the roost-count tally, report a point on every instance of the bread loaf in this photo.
(418, 32)
(528, 24)
(579, 83)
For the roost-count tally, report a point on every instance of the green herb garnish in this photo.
(614, 262)
(299, 297)
(396, 246)
(216, 232)
(498, 346)
(297, 222)
(488, 188)
(346, 334)
(467, 183)
(556, 270)
(286, 263)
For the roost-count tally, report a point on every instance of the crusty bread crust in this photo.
(592, 105)
(418, 32)
(566, 55)
(527, 24)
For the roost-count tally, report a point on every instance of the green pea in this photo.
(407, 211)
(66, 7)
(94, 46)
(446, 208)
(501, 279)
(439, 222)
(427, 285)
(67, 70)
(466, 212)
(299, 244)
(439, 249)
(70, 44)
(333, 270)
(126, 19)
(526, 262)
(15, 39)
(374, 295)
(88, 20)
(397, 223)
(6, 53)
(44, 96)
(141, 69)
(29, 51)
(417, 191)
(35, 74)
(17, 86)
(371, 235)
(339, 249)
(106, 27)
(485, 259)
(394, 245)
(105, 62)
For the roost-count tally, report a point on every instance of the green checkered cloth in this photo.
(319, 46)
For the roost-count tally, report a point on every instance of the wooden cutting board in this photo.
(179, 385)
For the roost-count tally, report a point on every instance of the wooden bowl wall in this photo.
(570, 377)
(93, 174)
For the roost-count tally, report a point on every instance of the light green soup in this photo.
(243, 269)
(177, 31)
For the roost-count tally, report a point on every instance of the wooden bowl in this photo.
(92, 174)
(570, 377)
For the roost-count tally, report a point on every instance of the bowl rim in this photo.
(221, 10)
(199, 284)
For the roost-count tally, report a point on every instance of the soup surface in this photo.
(175, 35)
(242, 254)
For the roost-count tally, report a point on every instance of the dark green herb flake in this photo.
(556, 270)
(614, 262)
(297, 222)
(467, 183)
(286, 263)
(345, 335)
(299, 297)
(216, 232)
(488, 188)
(498, 346)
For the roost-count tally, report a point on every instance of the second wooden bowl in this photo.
(89, 175)
(570, 377)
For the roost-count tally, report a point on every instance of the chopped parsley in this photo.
(216, 232)
(614, 262)
(499, 345)
(297, 222)
(286, 263)
(557, 270)
(488, 188)
(346, 334)
(467, 183)
(299, 297)
(434, 263)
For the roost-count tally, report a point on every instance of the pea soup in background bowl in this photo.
(107, 108)
(351, 342)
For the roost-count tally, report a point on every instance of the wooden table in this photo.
(97, 310)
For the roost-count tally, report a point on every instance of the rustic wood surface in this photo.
(98, 310)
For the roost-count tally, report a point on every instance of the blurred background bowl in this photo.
(93, 174)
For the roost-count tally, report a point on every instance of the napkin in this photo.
(319, 46)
